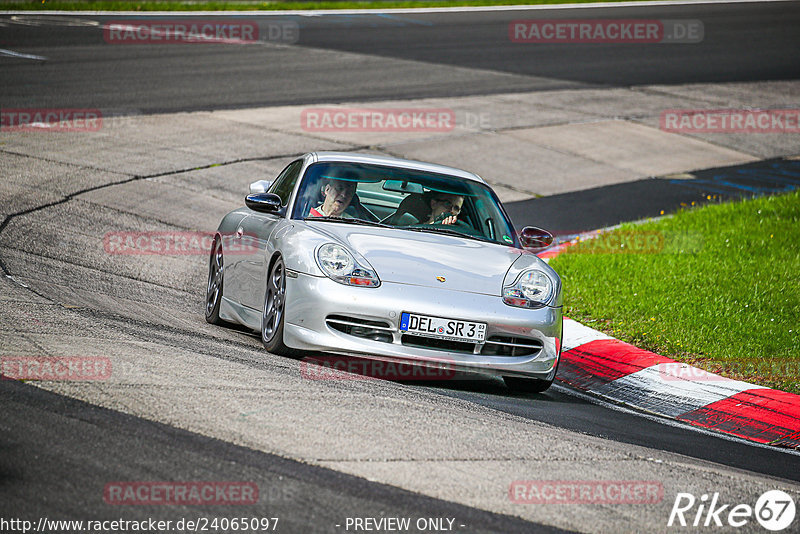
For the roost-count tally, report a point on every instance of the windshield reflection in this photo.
(407, 199)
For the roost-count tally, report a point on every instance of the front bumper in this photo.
(311, 300)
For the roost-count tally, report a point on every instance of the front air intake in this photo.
(511, 346)
(363, 328)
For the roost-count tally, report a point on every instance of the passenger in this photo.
(444, 207)
(336, 195)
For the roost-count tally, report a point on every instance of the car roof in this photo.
(354, 157)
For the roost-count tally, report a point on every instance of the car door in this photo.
(255, 231)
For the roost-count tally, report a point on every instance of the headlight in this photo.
(532, 289)
(335, 260)
(339, 265)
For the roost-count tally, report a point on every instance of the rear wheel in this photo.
(214, 288)
(274, 307)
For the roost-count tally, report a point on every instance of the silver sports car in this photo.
(389, 259)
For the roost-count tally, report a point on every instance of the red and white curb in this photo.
(598, 364)
(611, 369)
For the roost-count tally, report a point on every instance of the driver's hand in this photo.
(449, 220)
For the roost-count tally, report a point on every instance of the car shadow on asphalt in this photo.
(338, 367)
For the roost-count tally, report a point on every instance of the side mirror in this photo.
(263, 202)
(260, 186)
(535, 238)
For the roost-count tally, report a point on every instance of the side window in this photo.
(284, 184)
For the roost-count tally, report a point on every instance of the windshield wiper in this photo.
(440, 230)
(362, 222)
(430, 229)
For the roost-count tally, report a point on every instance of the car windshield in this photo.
(405, 199)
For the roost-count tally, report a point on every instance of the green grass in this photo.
(244, 5)
(722, 294)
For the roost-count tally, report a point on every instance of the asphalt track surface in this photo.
(58, 453)
(468, 54)
(47, 438)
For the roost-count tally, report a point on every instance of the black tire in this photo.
(272, 316)
(527, 385)
(531, 385)
(214, 287)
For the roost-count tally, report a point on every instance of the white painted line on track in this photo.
(11, 53)
(45, 20)
(456, 9)
(665, 421)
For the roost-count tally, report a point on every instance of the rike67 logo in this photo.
(774, 510)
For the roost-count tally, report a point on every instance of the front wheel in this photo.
(274, 307)
(527, 385)
(531, 385)
(214, 288)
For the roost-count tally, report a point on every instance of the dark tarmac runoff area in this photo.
(601, 207)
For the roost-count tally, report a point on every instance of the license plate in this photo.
(441, 328)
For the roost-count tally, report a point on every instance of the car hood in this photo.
(421, 258)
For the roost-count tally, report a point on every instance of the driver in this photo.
(336, 195)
